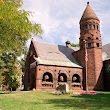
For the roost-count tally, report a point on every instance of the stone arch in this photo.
(90, 26)
(78, 73)
(49, 71)
(47, 77)
(62, 77)
(65, 72)
(76, 78)
(76, 81)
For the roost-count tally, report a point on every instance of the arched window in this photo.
(97, 44)
(97, 27)
(47, 77)
(90, 26)
(76, 78)
(94, 26)
(62, 77)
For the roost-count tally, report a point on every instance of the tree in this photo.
(11, 72)
(15, 27)
(74, 45)
(15, 30)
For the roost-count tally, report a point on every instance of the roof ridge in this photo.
(46, 43)
(106, 44)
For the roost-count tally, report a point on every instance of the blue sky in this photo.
(60, 18)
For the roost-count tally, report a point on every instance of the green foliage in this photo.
(15, 27)
(74, 45)
(15, 30)
(11, 71)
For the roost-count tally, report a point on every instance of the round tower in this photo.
(91, 47)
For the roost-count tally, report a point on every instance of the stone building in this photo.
(106, 66)
(79, 68)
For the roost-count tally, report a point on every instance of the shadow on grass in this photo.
(90, 102)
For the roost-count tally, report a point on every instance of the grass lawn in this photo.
(46, 101)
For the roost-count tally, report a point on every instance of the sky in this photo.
(59, 19)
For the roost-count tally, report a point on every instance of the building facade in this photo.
(48, 66)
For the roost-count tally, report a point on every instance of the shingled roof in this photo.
(106, 51)
(51, 54)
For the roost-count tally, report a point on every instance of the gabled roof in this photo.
(89, 13)
(106, 51)
(51, 54)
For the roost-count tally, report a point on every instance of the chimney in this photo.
(68, 43)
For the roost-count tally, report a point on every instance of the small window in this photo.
(89, 38)
(76, 78)
(97, 44)
(90, 26)
(62, 77)
(97, 38)
(89, 45)
(97, 27)
(94, 26)
(82, 27)
(47, 77)
(86, 26)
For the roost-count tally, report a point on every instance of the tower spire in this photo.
(91, 49)
(89, 13)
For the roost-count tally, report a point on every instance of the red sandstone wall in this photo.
(94, 69)
(80, 56)
(55, 70)
(29, 60)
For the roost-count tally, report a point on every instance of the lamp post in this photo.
(86, 59)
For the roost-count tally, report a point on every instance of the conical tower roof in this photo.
(89, 13)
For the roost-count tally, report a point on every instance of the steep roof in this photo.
(89, 13)
(106, 51)
(51, 54)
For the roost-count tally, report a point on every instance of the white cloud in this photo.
(60, 19)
